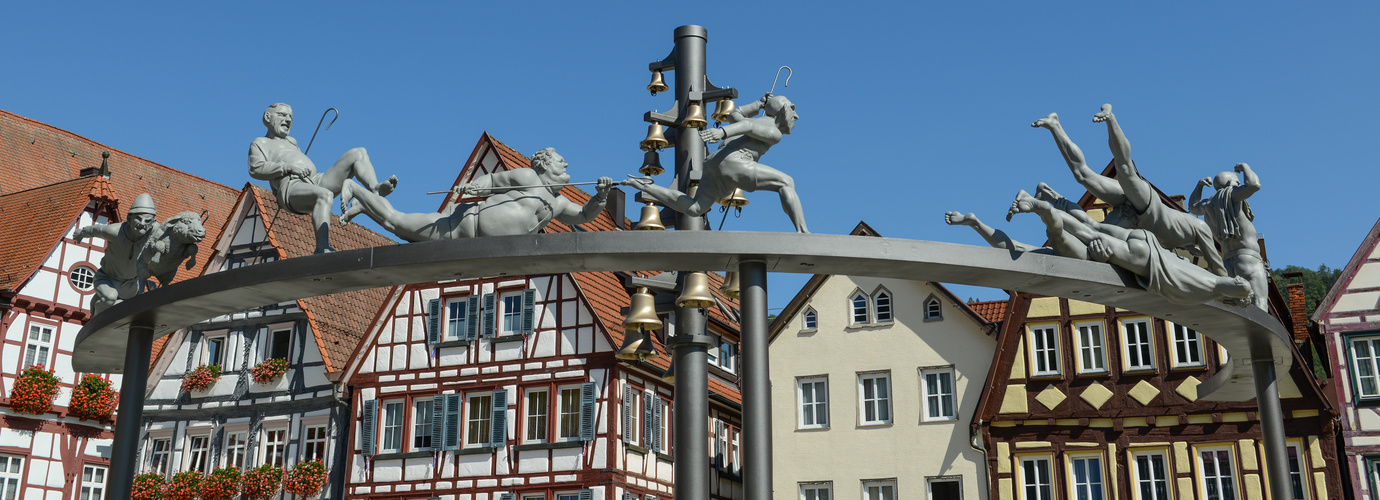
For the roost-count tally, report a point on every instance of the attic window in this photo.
(83, 278)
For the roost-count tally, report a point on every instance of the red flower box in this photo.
(148, 486)
(305, 478)
(184, 486)
(34, 390)
(268, 370)
(93, 398)
(262, 482)
(221, 484)
(201, 378)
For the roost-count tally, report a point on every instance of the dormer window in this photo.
(934, 309)
(881, 305)
(811, 320)
(858, 307)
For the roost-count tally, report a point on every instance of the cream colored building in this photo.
(874, 385)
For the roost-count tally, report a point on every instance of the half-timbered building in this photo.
(51, 183)
(507, 387)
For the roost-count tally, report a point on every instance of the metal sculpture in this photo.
(169, 246)
(1233, 225)
(120, 276)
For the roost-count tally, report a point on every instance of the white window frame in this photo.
(810, 320)
(479, 419)
(38, 345)
(11, 475)
(1365, 369)
(422, 422)
(392, 421)
(272, 340)
(1186, 341)
(315, 437)
(200, 454)
(568, 495)
(1139, 342)
(236, 448)
(1163, 479)
(883, 310)
(880, 404)
(1086, 487)
(274, 448)
(1036, 488)
(82, 277)
(877, 489)
(859, 309)
(664, 431)
(1090, 337)
(813, 406)
(1298, 469)
(728, 356)
(933, 396)
(934, 309)
(931, 481)
(1220, 480)
(536, 417)
(568, 413)
(509, 313)
(633, 435)
(92, 485)
(206, 355)
(1043, 340)
(160, 455)
(817, 491)
(456, 321)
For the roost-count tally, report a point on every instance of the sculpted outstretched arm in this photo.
(102, 231)
(570, 214)
(1196, 205)
(748, 110)
(1250, 183)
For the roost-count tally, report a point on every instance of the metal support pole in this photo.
(124, 454)
(1271, 419)
(757, 475)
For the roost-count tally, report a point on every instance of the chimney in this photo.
(617, 208)
(103, 171)
(1298, 307)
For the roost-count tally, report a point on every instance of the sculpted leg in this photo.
(355, 164)
(677, 200)
(1135, 188)
(775, 180)
(1106, 189)
(994, 237)
(318, 199)
(1066, 234)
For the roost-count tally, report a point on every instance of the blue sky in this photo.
(907, 109)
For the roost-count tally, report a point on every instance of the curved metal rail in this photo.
(101, 345)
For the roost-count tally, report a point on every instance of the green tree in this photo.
(1316, 283)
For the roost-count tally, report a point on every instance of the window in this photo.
(92, 483)
(1149, 475)
(200, 454)
(728, 355)
(814, 402)
(537, 411)
(735, 449)
(1218, 481)
(1092, 355)
(858, 305)
(457, 318)
(632, 414)
(10, 468)
(83, 278)
(422, 420)
(568, 426)
(1085, 477)
(275, 447)
(938, 395)
(1035, 480)
(392, 427)
(1138, 350)
(875, 389)
(512, 314)
(663, 440)
(934, 309)
(881, 302)
(945, 488)
(1298, 484)
(811, 321)
(314, 446)
(1365, 352)
(1188, 347)
(1044, 351)
(879, 490)
(160, 452)
(40, 344)
(236, 444)
(816, 491)
(568, 496)
(215, 350)
(280, 344)
(480, 418)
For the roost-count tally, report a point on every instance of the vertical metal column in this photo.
(691, 345)
(757, 474)
(124, 454)
(1271, 418)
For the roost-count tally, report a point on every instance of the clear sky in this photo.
(908, 109)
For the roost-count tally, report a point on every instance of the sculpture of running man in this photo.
(734, 165)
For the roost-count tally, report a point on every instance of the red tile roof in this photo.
(27, 240)
(992, 310)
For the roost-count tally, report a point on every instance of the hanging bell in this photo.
(694, 116)
(632, 340)
(658, 84)
(651, 163)
(655, 138)
(642, 312)
(735, 200)
(670, 375)
(721, 110)
(646, 349)
(730, 288)
(651, 219)
(696, 292)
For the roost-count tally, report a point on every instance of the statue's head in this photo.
(783, 110)
(549, 163)
(1224, 179)
(278, 119)
(185, 227)
(140, 218)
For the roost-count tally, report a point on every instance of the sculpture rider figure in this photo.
(118, 278)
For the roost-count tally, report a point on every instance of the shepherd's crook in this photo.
(622, 183)
(789, 72)
(337, 117)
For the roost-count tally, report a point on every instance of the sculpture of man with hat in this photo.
(118, 278)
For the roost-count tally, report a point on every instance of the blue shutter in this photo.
(586, 413)
(656, 418)
(586, 494)
(648, 432)
(529, 309)
(629, 433)
(452, 422)
(438, 421)
(472, 317)
(490, 307)
(367, 430)
(500, 419)
(433, 321)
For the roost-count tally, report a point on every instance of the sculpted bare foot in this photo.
(957, 219)
(1024, 204)
(1045, 193)
(347, 195)
(1049, 121)
(349, 214)
(1103, 115)
(386, 187)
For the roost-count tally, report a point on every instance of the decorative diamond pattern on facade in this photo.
(1051, 397)
(1144, 392)
(1189, 388)
(1096, 395)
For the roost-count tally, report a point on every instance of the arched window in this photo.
(858, 308)
(881, 305)
(934, 309)
(811, 321)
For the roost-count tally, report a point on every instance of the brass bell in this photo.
(721, 110)
(632, 340)
(642, 312)
(651, 219)
(655, 138)
(651, 164)
(646, 349)
(694, 116)
(670, 375)
(658, 84)
(735, 200)
(696, 292)
(730, 288)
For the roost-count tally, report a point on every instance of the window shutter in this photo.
(433, 321)
(366, 437)
(586, 494)
(628, 495)
(648, 429)
(507, 496)
(472, 317)
(659, 446)
(529, 310)
(586, 413)
(500, 419)
(719, 443)
(629, 433)
(490, 307)
(452, 422)
(438, 421)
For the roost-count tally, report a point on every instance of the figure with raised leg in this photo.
(518, 201)
(119, 277)
(995, 237)
(1229, 215)
(1136, 203)
(734, 165)
(296, 184)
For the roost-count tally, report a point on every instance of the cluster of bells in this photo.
(642, 318)
(656, 140)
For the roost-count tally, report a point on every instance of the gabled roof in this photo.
(1362, 254)
(993, 310)
(26, 240)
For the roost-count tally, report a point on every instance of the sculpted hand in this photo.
(639, 183)
(463, 189)
(1242, 167)
(1205, 182)
(712, 135)
(603, 185)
